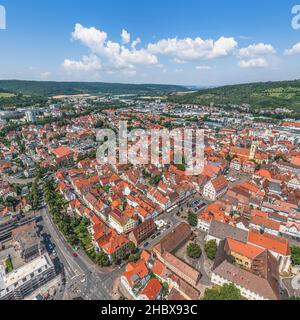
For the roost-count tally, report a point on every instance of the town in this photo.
(72, 227)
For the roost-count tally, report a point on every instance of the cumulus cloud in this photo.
(253, 63)
(113, 55)
(194, 49)
(125, 36)
(136, 42)
(294, 50)
(90, 37)
(255, 50)
(87, 64)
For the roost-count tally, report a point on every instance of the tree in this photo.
(192, 219)
(194, 251)
(102, 259)
(211, 248)
(165, 290)
(295, 255)
(226, 292)
(131, 247)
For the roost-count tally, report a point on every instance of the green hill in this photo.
(49, 88)
(268, 95)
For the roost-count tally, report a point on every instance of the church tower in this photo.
(253, 150)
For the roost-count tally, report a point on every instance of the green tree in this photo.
(192, 219)
(226, 292)
(211, 248)
(295, 255)
(194, 251)
(165, 290)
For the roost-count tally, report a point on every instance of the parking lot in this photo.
(163, 227)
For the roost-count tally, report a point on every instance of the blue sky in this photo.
(191, 42)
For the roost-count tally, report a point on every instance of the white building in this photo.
(215, 188)
(24, 280)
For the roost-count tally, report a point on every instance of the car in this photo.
(146, 244)
(153, 237)
(121, 266)
(75, 255)
(158, 234)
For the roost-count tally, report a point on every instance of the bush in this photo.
(211, 248)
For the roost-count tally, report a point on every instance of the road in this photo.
(17, 180)
(83, 277)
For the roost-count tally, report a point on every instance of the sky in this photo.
(190, 42)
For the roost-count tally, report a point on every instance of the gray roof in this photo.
(222, 231)
(247, 280)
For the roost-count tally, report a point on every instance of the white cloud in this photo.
(194, 49)
(91, 37)
(87, 64)
(253, 63)
(112, 54)
(294, 50)
(179, 61)
(125, 36)
(45, 75)
(205, 67)
(136, 42)
(255, 50)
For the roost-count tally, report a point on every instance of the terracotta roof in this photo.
(265, 222)
(152, 289)
(182, 266)
(244, 249)
(62, 152)
(268, 241)
(135, 271)
(174, 239)
(219, 183)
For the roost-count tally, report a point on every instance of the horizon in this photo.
(150, 43)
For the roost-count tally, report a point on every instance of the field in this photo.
(6, 95)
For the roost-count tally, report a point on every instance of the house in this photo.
(215, 188)
(236, 164)
(291, 229)
(63, 155)
(124, 221)
(135, 276)
(252, 286)
(263, 224)
(142, 232)
(294, 183)
(278, 246)
(249, 167)
(113, 244)
(169, 244)
(152, 291)
(219, 231)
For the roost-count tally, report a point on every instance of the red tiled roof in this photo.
(270, 242)
(152, 289)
